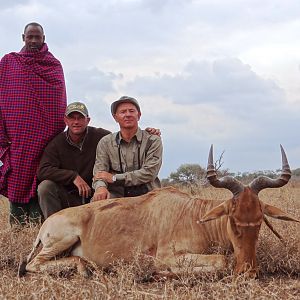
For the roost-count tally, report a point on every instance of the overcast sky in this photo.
(222, 72)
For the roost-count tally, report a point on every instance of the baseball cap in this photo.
(78, 107)
(124, 99)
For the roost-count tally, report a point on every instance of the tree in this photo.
(296, 172)
(188, 174)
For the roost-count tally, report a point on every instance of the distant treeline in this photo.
(194, 174)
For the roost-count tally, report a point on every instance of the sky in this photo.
(221, 72)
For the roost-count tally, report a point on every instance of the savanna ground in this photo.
(279, 276)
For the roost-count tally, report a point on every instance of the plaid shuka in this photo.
(32, 107)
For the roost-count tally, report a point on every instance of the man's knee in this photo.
(49, 197)
(46, 187)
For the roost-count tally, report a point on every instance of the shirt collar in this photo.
(138, 135)
(79, 146)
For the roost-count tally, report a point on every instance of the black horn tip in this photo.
(22, 268)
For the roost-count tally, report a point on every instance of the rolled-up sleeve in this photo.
(152, 161)
(102, 161)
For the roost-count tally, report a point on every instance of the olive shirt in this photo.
(63, 160)
(144, 149)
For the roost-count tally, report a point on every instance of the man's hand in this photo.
(105, 176)
(84, 189)
(155, 131)
(101, 193)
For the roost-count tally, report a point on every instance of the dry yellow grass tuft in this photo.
(279, 266)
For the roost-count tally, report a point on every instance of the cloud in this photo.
(209, 71)
(222, 102)
(91, 86)
(85, 82)
(226, 82)
(10, 4)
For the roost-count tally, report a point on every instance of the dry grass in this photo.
(279, 266)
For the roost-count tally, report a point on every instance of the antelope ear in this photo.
(277, 213)
(215, 213)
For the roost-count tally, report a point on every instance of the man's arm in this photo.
(4, 142)
(148, 171)
(50, 166)
(50, 169)
(101, 164)
(150, 167)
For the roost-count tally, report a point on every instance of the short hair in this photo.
(33, 24)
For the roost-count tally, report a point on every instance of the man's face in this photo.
(127, 115)
(33, 38)
(76, 123)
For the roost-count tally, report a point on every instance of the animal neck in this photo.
(213, 232)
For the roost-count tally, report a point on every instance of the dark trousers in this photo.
(54, 197)
(25, 213)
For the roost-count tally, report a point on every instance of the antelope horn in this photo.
(263, 182)
(227, 182)
(274, 230)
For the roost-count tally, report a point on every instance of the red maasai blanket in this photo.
(32, 106)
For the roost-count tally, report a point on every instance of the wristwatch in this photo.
(114, 178)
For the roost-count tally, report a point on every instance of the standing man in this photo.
(66, 167)
(32, 106)
(128, 161)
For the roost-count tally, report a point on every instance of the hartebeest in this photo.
(166, 224)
